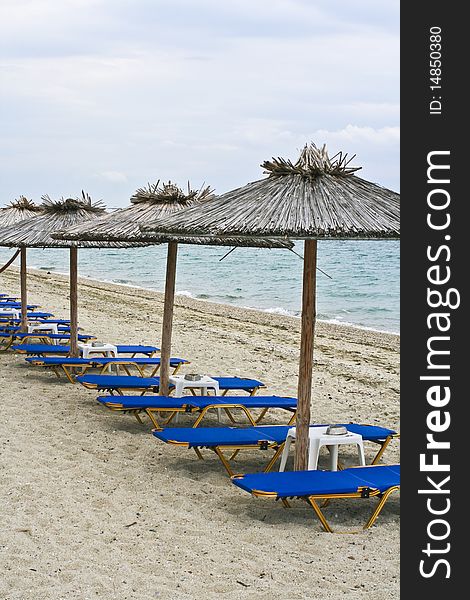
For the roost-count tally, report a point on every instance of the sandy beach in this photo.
(95, 507)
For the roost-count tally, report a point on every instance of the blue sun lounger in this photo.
(118, 383)
(59, 337)
(68, 365)
(17, 305)
(51, 349)
(8, 339)
(34, 316)
(313, 486)
(262, 437)
(41, 319)
(152, 405)
(16, 328)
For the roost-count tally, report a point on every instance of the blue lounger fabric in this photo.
(35, 315)
(82, 337)
(17, 305)
(66, 360)
(198, 402)
(58, 360)
(310, 483)
(209, 437)
(46, 320)
(174, 360)
(206, 437)
(39, 349)
(113, 382)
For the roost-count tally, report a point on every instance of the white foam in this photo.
(339, 321)
(277, 310)
(187, 294)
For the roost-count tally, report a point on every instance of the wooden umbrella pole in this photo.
(73, 274)
(306, 355)
(168, 317)
(24, 291)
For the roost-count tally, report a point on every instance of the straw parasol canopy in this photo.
(18, 210)
(15, 211)
(317, 197)
(147, 204)
(36, 232)
(55, 215)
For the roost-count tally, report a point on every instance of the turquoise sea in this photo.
(363, 289)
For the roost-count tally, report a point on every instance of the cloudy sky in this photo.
(106, 95)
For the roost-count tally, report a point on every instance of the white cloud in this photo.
(114, 176)
(352, 134)
(198, 89)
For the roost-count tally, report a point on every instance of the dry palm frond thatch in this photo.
(315, 197)
(54, 216)
(18, 210)
(148, 204)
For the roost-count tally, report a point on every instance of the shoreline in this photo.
(83, 280)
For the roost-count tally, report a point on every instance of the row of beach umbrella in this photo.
(315, 198)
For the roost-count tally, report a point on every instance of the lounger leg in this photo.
(5, 345)
(379, 507)
(273, 460)
(224, 461)
(174, 415)
(319, 514)
(229, 415)
(285, 503)
(263, 412)
(57, 374)
(198, 453)
(293, 418)
(151, 416)
(137, 416)
(383, 445)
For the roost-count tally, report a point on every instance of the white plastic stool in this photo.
(318, 438)
(204, 384)
(51, 327)
(109, 350)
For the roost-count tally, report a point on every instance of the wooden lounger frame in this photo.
(153, 413)
(267, 445)
(71, 373)
(362, 492)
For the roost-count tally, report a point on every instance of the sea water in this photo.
(357, 280)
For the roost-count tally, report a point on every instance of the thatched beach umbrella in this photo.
(16, 211)
(317, 197)
(148, 204)
(37, 231)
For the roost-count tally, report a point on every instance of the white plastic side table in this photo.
(108, 350)
(318, 438)
(51, 327)
(204, 384)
